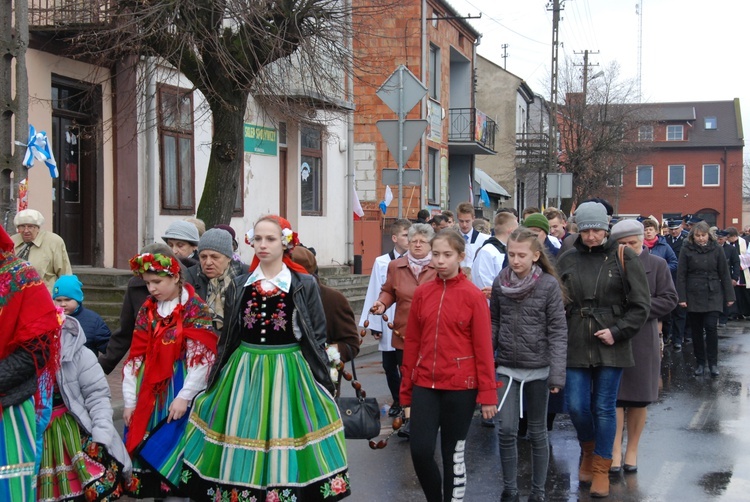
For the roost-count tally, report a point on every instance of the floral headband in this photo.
(156, 263)
(289, 238)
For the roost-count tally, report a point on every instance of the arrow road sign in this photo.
(413, 131)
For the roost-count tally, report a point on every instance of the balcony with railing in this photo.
(471, 132)
(532, 147)
(68, 15)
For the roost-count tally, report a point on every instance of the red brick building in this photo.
(692, 165)
(439, 48)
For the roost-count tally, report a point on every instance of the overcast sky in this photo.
(690, 51)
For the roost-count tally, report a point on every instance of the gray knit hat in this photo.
(182, 231)
(626, 228)
(216, 239)
(591, 215)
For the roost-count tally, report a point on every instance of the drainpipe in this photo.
(423, 155)
(350, 178)
(150, 150)
(724, 163)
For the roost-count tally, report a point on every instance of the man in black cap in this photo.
(674, 329)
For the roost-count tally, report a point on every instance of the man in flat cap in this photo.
(45, 250)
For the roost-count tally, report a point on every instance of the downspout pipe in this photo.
(724, 163)
(350, 175)
(150, 150)
(423, 156)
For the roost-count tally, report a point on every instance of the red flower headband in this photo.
(289, 238)
(156, 263)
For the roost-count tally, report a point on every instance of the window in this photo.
(311, 176)
(434, 69)
(644, 176)
(674, 133)
(710, 175)
(239, 199)
(176, 150)
(710, 123)
(676, 176)
(433, 176)
(646, 133)
(614, 178)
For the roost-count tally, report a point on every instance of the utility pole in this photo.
(14, 116)
(586, 66)
(505, 55)
(555, 6)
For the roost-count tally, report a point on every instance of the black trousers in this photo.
(449, 411)
(700, 322)
(392, 361)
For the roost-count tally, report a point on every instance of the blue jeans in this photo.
(537, 395)
(591, 394)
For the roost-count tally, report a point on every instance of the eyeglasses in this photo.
(21, 228)
(421, 243)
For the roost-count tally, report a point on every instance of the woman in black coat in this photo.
(704, 287)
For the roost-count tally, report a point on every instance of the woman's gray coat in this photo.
(641, 382)
(86, 393)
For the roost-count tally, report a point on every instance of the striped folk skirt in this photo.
(17, 452)
(266, 430)
(73, 466)
(147, 481)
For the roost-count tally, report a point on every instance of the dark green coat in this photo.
(597, 300)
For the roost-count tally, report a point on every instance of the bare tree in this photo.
(598, 130)
(293, 56)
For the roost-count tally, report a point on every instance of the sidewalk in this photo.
(369, 345)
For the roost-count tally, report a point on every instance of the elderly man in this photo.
(214, 275)
(43, 249)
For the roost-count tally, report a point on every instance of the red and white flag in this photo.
(356, 206)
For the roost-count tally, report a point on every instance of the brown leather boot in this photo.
(600, 484)
(585, 472)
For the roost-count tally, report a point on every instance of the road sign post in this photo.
(401, 92)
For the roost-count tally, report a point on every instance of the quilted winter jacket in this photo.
(85, 391)
(449, 346)
(598, 300)
(531, 333)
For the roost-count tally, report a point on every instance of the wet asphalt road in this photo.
(696, 445)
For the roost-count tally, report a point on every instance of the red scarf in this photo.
(28, 318)
(161, 344)
(651, 243)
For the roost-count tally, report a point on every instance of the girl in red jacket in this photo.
(448, 368)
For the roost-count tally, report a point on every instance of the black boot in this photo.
(714, 369)
(698, 370)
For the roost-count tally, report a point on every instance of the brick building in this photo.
(439, 48)
(693, 163)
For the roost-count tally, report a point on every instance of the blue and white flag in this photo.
(38, 147)
(388, 199)
(485, 197)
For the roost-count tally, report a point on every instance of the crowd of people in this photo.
(228, 383)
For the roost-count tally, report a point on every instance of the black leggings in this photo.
(451, 412)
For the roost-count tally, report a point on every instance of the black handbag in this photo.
(360, 414)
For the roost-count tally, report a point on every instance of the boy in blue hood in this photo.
(68, 295)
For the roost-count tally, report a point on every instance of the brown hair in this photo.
(400, 225)
(703, 228)
(529, 210)
(465, 208)
(552, 212)
(452, 237)
(649, 223)
(448, 214)
(522, 234)
(504, 218)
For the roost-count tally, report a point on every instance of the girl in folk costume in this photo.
(83, 457)
(29, 326)
(267, 428)
(448, 369)
(173, 348)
